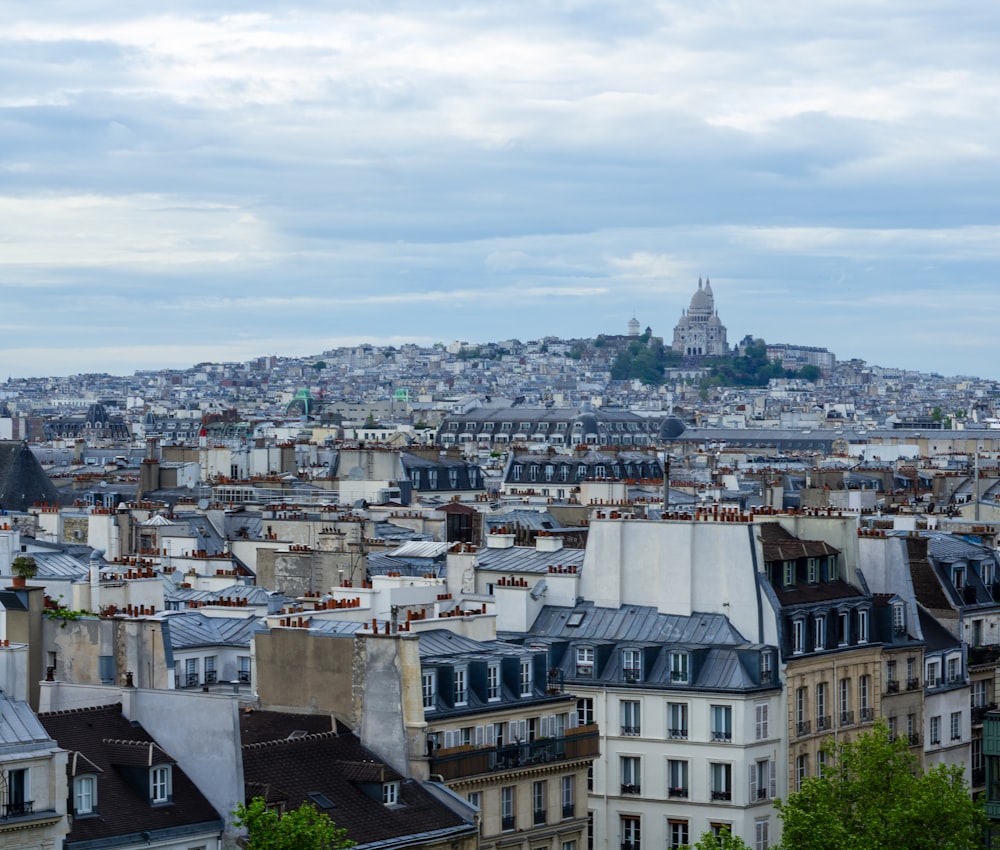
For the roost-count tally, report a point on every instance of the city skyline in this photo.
(187, 185)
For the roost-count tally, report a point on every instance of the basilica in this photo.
(700, 333)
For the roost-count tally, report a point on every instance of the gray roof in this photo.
(527, 559)
(190, 629)
(445, 645)
(635, 624)
(20, 729)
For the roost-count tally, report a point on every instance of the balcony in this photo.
(979, 712)
(725, 737)
(507, 823)
(18, 809)
(191, 680)
(984, 655)
(823, 724)
(866, 715)
(892, 686)
(978, 777)
(631, 731)
(539, 817)
(211, 677)
(847, 718)
(760, 795)
(458, 762)
(244, 677)
(678, 734)
(632, 675)
(913, 684)
(722, 795)
(631, 789)
(677, 793)
(914, 739)
(803, 728)
(568, 811)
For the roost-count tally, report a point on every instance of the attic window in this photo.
(160, 784)
(390, 793)
(575, 618)
(321, 800)
(85, 795)
(297, 733)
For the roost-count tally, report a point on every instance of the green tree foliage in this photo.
(724, 841)
(873, 796)
(643, 359)
(299, 829)
(752, 369)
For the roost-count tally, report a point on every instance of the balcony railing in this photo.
(866, 714)
(803, 727)
(722, 795)
(466, 760)
(914, 739)
(19, 809)
(892, 686)
(760, 795)
(191, 680)
(678, 734)
(568, 811)
(847, 718)
(507, 823)
(823, 724)
(631, 674)
(631, 789)
(211, 677)
(912, 684)
(978, 777)
(244, 676)
(630, 730)
(722, 736)
(979, 712)
(539, 816)
(678, 793)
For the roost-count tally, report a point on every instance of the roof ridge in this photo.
(311, 736)
(59, 712)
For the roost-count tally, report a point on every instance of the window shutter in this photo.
(772, 774)
(753, 781)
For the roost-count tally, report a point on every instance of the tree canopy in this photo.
(303, 828)
(874, 796)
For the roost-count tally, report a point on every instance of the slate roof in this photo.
(190, 629)
(121, 752)
(527, 559)
(20, 730)
(23, 482)
(780, 545)
(294, 768)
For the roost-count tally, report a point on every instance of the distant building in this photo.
(700, 332)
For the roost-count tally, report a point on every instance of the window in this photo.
(678, 835)
(721, 776)
(507, 813)
(475, 799)
(843, 628)
(538, 793)
(956, 726)
(631, 665)
(84, 795)
(846, 715)
(986, 573)
(585, 661)
(936, 729)
(958, 577)
(954, 671)
(630, 717)
(679, 666)
(630, 832)
(864, 697)
(677, 720)
(802, 724)
(677, 778)
(428, 681)
(933, 674)
(763, 780)
(788, 573)
(390, 793)
(760, 720)
(798, 636)
(801, 771)
(819, 633)
(812, 567)
(898, 618)
(493, 682)
(17, 792)
(211, 675)
(863, 625)
(585, 711)
(568, 801)
(631, 783)
(458, 691)
(822, 718)
(761, 833)
(821, 763)
(159, 784)
(979, 693)
(766, 666)
(722, 723)
(244, 668)
(191, 672)
(527, 679)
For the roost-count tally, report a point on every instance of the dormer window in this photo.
(160, 789)
(84, 795)
(390, 793)
(798, 636)
(819, 633)
(898, 618)
(585, 661)
(958, 577)
(788, 573)
(813, 570)
(428, 681)
(680, 667)
(527, 679)
(459, 691)
(632, 665)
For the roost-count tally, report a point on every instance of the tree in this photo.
(299, 829)
(725, 840)
(873, 795)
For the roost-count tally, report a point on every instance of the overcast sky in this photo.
(189, 181)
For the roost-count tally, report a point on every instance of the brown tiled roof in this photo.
(337, 767)
(926, 585)
(780, 545)
(108, 740)
(825, 591)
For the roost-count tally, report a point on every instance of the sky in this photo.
(209, 181)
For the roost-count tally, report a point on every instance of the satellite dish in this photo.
(356, 473)
(202, 504)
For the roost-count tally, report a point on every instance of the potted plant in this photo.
(23, 567)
